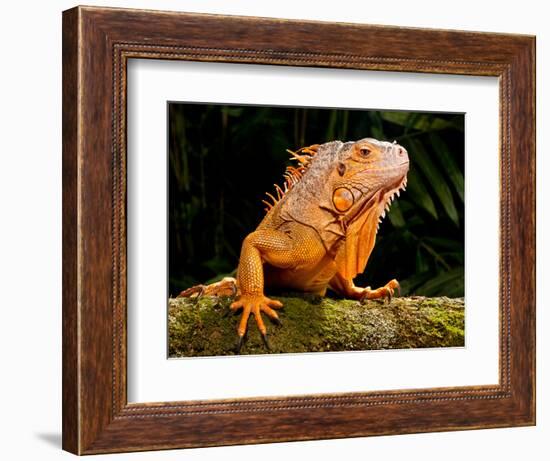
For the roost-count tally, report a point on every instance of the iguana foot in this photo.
(387, 291)
(225, 287)
(255, 304)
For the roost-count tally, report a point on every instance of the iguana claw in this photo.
(239, 344)
(277, 321)
(266, 341)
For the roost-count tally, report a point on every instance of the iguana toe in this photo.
(239, 344)
(255, 304)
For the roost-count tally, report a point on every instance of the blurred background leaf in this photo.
(222, 160)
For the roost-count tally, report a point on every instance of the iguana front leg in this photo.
(347, 289)
(265, 245)
(281, 249)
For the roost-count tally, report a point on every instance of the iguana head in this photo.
(369, 173)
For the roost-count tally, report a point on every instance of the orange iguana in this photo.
(319, 230)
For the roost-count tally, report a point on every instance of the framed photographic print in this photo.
(289, 230)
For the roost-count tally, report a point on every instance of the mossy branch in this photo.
(206, 327)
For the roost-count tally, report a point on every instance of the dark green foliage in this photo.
(222, 160)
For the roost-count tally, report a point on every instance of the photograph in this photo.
(305, 229)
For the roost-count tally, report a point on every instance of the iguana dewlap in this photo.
(320, 228)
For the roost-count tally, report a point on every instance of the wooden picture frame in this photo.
(97, 43)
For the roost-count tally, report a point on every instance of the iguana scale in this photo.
(319, 228)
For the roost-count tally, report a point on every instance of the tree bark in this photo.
(206, 327)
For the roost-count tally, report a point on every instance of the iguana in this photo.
(319, 228)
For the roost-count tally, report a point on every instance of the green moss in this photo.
(311, 324)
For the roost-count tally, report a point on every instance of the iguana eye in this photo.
(364, 152)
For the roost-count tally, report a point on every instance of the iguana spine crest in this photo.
(292, 174)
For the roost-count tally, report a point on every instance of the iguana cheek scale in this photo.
(342, 199)
(319, 229)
